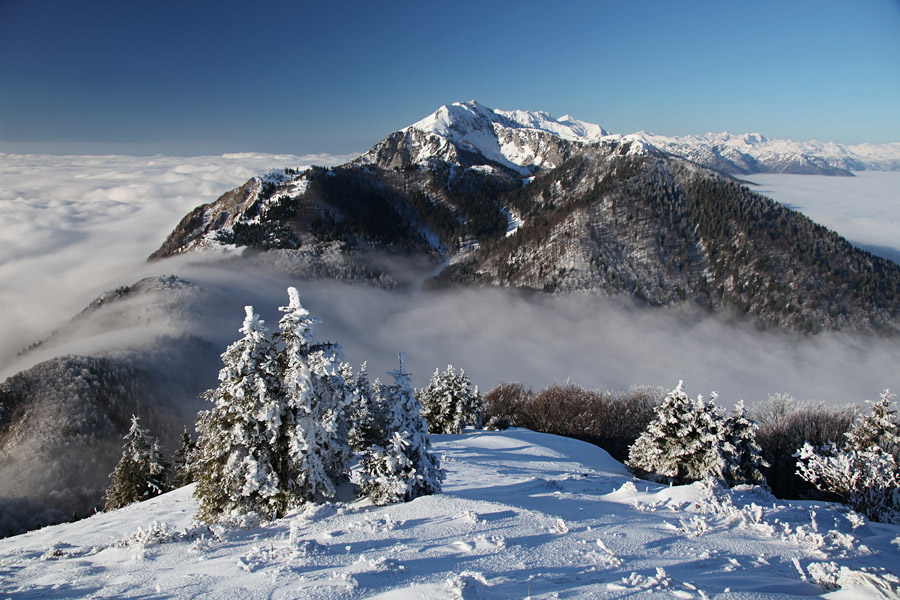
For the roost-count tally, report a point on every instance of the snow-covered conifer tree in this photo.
(402, 467)
(317, 398)
(367, 415)
(239, 444)
(183, 462)
(881, 429)
(450, 403)
(684, 442)
(743, 456)
(141, 473)
(865, 471)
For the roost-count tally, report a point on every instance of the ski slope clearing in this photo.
(522, 515)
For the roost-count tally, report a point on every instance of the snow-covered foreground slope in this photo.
(522, 515)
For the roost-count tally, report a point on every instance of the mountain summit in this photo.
(467, 133)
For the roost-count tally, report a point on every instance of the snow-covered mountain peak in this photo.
(467, 133)
(455, 121)
(523, 141)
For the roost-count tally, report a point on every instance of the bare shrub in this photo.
(564, 410)
(784, 426)
(504, 404)
(630, 413)
(611, 421)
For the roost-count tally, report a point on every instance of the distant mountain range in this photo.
(521, 199)
(528, 141)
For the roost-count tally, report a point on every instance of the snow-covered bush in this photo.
(879, 430)
(865, 471)
(691, 439)
(367, 415)
(743, 456)
(402, 467)
(184, 461)
(143, 471)
(450, 403)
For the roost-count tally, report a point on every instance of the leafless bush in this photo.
(503, 405)
(784, 425)
(611, 421)
(564, 410)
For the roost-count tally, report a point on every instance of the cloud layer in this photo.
(864, 209)
(76, 226)
(72, 227)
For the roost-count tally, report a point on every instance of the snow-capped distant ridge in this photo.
(522, 141)
(528, 141)
(744, 154)
(459, 120)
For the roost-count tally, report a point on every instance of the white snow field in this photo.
(522, 515)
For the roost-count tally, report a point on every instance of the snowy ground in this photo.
(522, 515)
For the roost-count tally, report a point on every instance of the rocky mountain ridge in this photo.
(528, 141)
(524, 200)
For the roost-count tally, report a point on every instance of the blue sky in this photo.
(188, 78)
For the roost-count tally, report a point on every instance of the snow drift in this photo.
(522, 515)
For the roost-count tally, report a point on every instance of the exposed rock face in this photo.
(224, 212)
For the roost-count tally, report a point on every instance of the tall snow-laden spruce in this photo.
(864, 472)
(240, 439)
(402, 467)
(317, 398)
(141, 473)
(450, 403)
(684, 442)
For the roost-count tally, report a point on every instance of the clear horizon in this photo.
(103, 77)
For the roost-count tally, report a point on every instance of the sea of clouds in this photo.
(72, 227)
(864, 209)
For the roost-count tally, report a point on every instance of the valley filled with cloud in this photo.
(74, 227)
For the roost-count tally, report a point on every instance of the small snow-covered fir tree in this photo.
(684, 442)
(865, 471)
(367, 414)
(879, 430)
(450, 403)
(402, 467)
(240, 439)
(317, 397)
(183, 461)
(743, 456)
(141, 473)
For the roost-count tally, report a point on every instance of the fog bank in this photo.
(73, 227)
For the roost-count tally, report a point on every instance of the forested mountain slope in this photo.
(522, 200)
